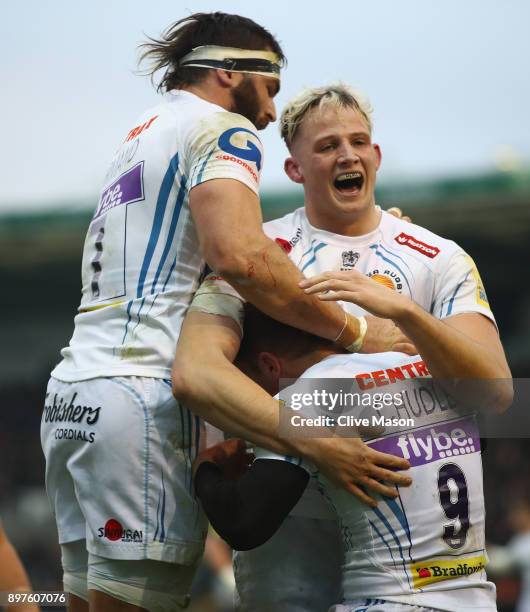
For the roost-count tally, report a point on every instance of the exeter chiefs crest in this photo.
(349, 259)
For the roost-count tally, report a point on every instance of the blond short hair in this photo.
(337, 95)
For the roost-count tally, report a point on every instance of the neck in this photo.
(298, 366)
(209, 92)
(345, 224)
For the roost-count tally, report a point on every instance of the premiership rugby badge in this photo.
(349, 259)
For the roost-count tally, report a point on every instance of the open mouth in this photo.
(349, 182)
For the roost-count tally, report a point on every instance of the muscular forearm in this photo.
(452, 355)
(214, 389)
(448, 352)
(264, 276)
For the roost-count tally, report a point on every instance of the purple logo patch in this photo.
(127, 188)
(434, 442)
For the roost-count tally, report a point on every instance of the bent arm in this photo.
(463, 346)
(235, 246)
(205, 379)
(247, 512)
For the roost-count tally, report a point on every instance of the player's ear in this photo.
(270, 367)
(228, 79)
(378, 154)
(293, 170)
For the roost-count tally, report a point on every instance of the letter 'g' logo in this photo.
(251, 153)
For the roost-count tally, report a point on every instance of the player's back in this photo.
(141, 258)
(427, 547)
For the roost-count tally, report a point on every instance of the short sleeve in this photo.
(225, 145)
(459, 289)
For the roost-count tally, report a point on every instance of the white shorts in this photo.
(379, 605)
(297, 570)
(118, 468)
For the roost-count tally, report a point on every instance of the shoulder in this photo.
(417, 242)
(232, 137)
(346, 365)
(218, 122)
(287, 228)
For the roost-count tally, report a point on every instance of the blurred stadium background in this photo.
(489, 215)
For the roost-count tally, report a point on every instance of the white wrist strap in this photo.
(356, 346)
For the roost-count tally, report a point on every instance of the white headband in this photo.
(234, 60)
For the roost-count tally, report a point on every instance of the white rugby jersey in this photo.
(427, 546)
(433, 271)
(141, 259)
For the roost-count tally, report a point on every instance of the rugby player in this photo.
(328, 131)
(424, 550)
(181, 191)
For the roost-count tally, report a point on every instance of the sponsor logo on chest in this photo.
(413, 243)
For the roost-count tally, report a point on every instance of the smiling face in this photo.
(334, 158)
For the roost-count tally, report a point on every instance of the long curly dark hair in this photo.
(197, 30)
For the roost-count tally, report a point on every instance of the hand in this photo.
(230, 455)
(384, 335)
(397, 212)
(354, 466)
(354, 287)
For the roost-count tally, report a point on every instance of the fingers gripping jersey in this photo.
(141, 259)
(427, 546)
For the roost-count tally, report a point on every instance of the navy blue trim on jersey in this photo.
(315, 249)
(451, 301)
(402, 518)
(129, 306)
(387, 524)
(391, 252)
(160, 513)
(384, 541)
(169, 273)
(171, 231)
(157, 516)
(161, 204)
(163, 513)
(198, 180)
